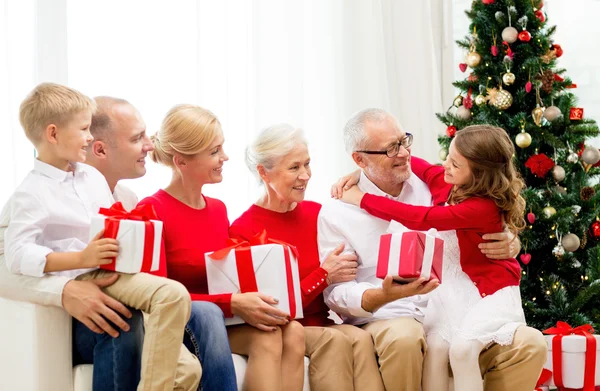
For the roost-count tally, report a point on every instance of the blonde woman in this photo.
(190, 142)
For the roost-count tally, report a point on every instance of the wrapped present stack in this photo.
(573, 358)
(260, 265)
(139, 233)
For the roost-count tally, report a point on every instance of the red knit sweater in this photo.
(298, 228)
(188, 233)
(471, 219)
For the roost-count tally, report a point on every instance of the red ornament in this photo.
(472, 77)
(576, 114)
(531, 217)
(462, 67)
(528, 87)
(525, 258)
(524, 36)
(558, 78)
(494, 50)
(556, 47)
(468, 100)
(539, 164)
(451, 131)
(595, 229)
(488, 2)
(540, 15)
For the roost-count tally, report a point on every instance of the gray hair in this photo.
(354, 131)
(271, 144)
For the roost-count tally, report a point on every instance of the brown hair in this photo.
(51, 103)
(489, 151)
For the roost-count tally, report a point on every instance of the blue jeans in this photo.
(206, 337)
(117, 361)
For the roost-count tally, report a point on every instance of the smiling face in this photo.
(456, 168)
(289, 176)
(206, 166)
(72, 138)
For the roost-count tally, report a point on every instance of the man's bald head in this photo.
(103, 121)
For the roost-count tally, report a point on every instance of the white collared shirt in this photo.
(50, 211)
(344, 223)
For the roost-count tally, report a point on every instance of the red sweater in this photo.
(188, 233)
(298, 228)
(471, 219)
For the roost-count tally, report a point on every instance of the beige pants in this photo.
(400, 345)
(189, 371)
(342, 357)
(168, 305)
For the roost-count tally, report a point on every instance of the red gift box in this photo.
(410, 255)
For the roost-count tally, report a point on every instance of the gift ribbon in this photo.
(562, 329)
(544, 377)
(246, 270)
(144, 213)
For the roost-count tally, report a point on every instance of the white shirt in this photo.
(359, 231)
(51, 212)
(126, 196)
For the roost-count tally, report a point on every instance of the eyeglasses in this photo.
(393, 150)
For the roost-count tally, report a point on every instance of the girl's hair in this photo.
(186, 129)
(489, 151)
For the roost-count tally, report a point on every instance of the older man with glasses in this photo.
(390, 312)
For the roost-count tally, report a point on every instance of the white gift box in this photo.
(270, 272)
(131, 237)
(573, 360)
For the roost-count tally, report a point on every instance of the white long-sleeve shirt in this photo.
(359, 231)
(48, 289)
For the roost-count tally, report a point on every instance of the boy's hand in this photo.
(100, 251)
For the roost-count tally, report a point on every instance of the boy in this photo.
(49, 222)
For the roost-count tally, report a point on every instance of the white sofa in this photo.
(36, 355)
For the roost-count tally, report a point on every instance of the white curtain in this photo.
(311, 63)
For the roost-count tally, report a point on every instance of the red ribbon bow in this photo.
(144, 213)
(245, 266)
(562, 329)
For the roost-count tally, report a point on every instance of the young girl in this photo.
(478, 303)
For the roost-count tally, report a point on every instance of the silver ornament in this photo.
(510, 34)
(551, 113)
(558, 251)
(572, 158)
(576, 264)
(570, 242)
(463, 113)
(499, 15)
(560, 190)
(443, 154)
(558, 173)
(590, 155)
(575, 209)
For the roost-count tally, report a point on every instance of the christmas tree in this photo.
(513, 81)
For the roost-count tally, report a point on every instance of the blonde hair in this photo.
(489, 152)
(271, 144)
(51, 103)
(186, 129)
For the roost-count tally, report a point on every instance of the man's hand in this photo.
(505, 245)
(373, 299)
(85, 301)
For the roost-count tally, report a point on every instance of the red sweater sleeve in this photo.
(475, 214)
(311, 286)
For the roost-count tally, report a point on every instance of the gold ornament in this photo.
(480, 100)
(499, 98)
(443, 154)
(458, 101)
(508, 78)
(523, 139)
(537, 114)
(551, 113)
(549, 56)
(549, 211)
(570, 242)
(463, 113)
(558, 173)
(473, 59)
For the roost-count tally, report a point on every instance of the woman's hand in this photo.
(340, 268)
(344, 183)
(352, 196)
(257, 310)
